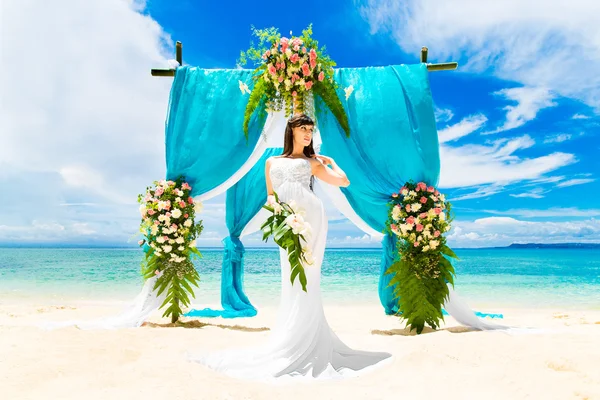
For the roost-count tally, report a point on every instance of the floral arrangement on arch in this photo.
(170, 231)
(290, 71)
(289, 231)
(419, 217)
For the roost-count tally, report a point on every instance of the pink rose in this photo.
(272, 69)
(280, 79)
(181, 204)
(408, 208)
(416, 244)
(190, 200)
(437, 193)
(437, 210)
(159, 191)
(410, 220)
(313, 54)
(419, 228)
(156, 222)
(174, 226)
(395, 195)
(284, 40)
(166, 237)
(430, 189)
(305, 69)
(423, 215)
(308, 85)
(296, 48)
(140, 242)
(423, 199)
(151, 212)
(168, 214)
(321, 76)
(393, 226)
(186, 216)
(304, 49)
(436, 233)
(268, 53)
(294, 58)
(313, 63)
(294, 93)
(186, 186)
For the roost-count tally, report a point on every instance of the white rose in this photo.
(442, 197)
(167, 249)
(396, 211)
(287, 83)
(198, 207)
(160, 239)
(178, 199)
(171, 241)
(176, 213)
(193, 243)
(426, 248)
(162, 217)
(415, 207)
(404, 192)
(143, 210)
(154, 229)
(157, 252)
(187, 223)
(412, 193)
(179, 240)
(181, 248)
(442, 216)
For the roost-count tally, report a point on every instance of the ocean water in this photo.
(489, 278)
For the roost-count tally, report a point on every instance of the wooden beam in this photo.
(424, 54)
(442, 66)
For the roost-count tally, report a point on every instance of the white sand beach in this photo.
(150, 363)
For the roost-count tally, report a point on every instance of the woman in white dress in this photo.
(301, 344)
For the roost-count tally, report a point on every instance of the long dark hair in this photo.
(288, 139)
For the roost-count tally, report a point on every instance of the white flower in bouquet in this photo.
(396, 213)
(415, 207)
(176, 213)
(442, 217)
(167, 249)
(157, 252)
(171, 241)
(425, 248)
(442, 198)
(293, 205)
(193, 243)
(297, 223)
(277, 209)
(180, 240)
(162, 205)
(167, 221)
(308, 256)
(198, 207)
(160, 239)
(177, 200)
(181, 248)
(404, 192)
(187, 223)
(143, 210)
(154, 229)
(412, 193)
(433, 244)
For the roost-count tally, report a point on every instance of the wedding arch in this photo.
(386, 137)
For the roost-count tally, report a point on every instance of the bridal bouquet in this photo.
(170, 231)
(290, 70)
(419, 216)
(289, 230)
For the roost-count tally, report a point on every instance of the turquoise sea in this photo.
(489, 278)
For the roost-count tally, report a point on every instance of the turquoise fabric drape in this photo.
(205, 140)
(244, 200)
(393, 139)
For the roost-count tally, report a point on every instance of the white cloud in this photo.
(580, 116)
(472, 165)
(553, 45)
(529, 102)
(573, 182)
(503, 231)
(559, 138)
(563, 212)
(82, 118)
(466, 126)
(536, 193)
(443, 114)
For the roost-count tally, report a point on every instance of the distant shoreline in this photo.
(586, 246)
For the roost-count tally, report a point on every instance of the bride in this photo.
(301, 344)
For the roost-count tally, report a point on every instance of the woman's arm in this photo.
(334, 175)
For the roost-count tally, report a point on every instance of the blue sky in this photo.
(519, 121)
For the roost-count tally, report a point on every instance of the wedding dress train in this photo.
(301, 344)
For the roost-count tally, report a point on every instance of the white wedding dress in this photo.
(301, 344)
